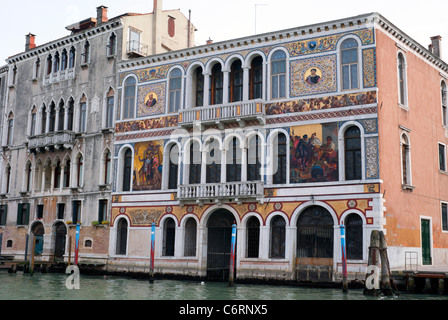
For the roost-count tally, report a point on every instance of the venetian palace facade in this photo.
(288, 135)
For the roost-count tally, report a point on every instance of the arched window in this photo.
(256, 78)
(122, 237)
(444, 103)
(315, 233)
(71, 59)
(33, 122)
(127, 170)
(190, 238)
(353, 158)
(61, 116)
(280, 153)
(199, 87)
(216, 85)
(278, 75)
(86, 52)
(194, 164)
(110, 101)
(253, 237)
(83, 114)
(253, 159)
(213, 158)
(49, 64)
(64, 60)
(28, 173)
(7, 178)
(129, 98)
(107, 167)
(66, 179)
(9, 136)
(406, 161)
(402, 86)
(56, 62)
(353, 237)
(36, 68)
(278, 237)
(52, 117)
(44, 119)
(79, 171)
(112, 44)
(175, 90)
(349, 64)
(169, 233)
(233, 161)
(173, 167)
(38, 176)
(57, 175)
(70, 114)
(236, 81)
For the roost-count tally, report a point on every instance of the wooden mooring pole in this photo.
(232, 257)
(344, 260)
(69, 250)
(32, 256)
(153, 240)
(372, 274)
(386, 288)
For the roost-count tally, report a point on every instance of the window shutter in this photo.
(19, 214)
(27, 214)
(3, 216)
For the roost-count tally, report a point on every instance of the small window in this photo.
(3, 214)
(102, 210)
(444, 216)
(36, 68)
(60, 211)
(76, 211)
(88, 244)
(442, 159)
(40, 211)
(9, 244)
(111, 46)
(86, 53)
(23, 214)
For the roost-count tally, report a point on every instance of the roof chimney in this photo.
(30, 44)
(436, 46)
(101, 15)
(209, 41)
(157, 5)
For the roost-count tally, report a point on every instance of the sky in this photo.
(219, 20)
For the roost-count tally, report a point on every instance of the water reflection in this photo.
(51, 286)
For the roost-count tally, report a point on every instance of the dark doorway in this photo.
(219, 228)
(61, 235)
(122, 237)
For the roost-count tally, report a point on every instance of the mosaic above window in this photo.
(151, 99)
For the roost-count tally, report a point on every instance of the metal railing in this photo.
(136, 47)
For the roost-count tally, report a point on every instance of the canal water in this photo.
(52, 286)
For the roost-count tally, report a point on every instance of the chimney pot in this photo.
(30, 41)
(209, 41)
(436, 46)
(101, 15)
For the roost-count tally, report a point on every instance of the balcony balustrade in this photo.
(237, 191)
(55, 140)
(240, 112)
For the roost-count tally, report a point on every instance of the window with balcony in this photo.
(233, 160)
(129, 98)
(236, 82)
(349, 64)
(254, 159)
(213, 164)
(256, 78)
(199, 87)
(216, 85)
(194, 164)
(278, 75)
(175, 90)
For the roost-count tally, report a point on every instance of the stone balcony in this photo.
(218, 192)
(59, 76)
(240, 112)
(52, 141)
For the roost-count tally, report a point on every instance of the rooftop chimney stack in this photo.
(436, 46)
(101, 15)
(30, 42)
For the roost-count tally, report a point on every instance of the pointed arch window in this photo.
(349, 64)
(107, 167)
(9, 137)
(61, 116)
(406, 161)
(57, 175)
(66, 179)
(33, 122)
(56, 62)
(110, 101)
(80, 171)
(52, 117)
(49, 64)
(28, 173)
(70, 114)
(83, 114)
(44, 119)
(64, 60)
(71, 59)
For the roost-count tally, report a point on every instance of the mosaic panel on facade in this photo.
(313, 76)
(147, 124)
(328, 102)
(372, 159)
(148, 74)
(151, 99)
(369, 67)
(148, 164)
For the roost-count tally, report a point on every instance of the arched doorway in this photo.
(122, 236)
(219, 238)
(60, 240)
(315, 245)
(38, 231)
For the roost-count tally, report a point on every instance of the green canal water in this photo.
(52, 286)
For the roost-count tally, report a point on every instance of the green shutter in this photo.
(19, 214)
(27, 214)
(5, 213)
